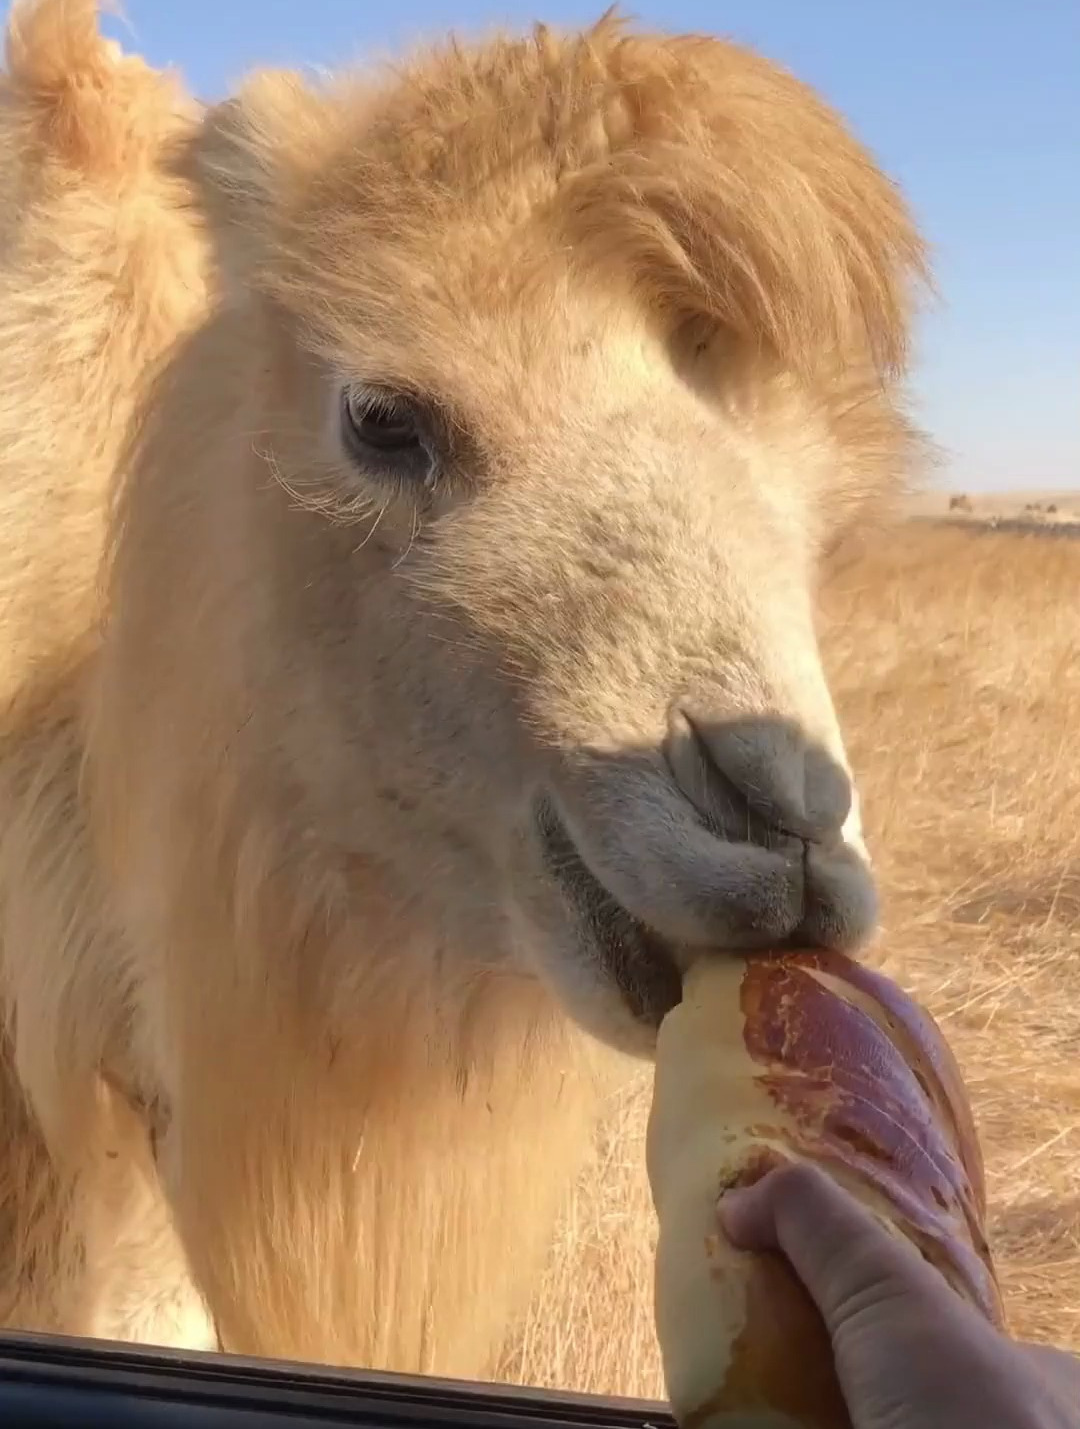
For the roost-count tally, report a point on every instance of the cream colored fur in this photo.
(98, 276)
(286, 992)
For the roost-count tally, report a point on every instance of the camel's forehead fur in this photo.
(675, 177)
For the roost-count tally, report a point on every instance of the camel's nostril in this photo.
(754, 777)
(720, 803)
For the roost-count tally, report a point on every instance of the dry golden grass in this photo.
(956, 661)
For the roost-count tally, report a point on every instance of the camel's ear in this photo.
(250, 159)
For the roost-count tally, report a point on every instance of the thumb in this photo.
(845, 1258)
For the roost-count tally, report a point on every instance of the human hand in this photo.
(910, 1352)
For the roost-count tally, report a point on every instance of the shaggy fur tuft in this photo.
(705, 180)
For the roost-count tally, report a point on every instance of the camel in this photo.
(416, 485)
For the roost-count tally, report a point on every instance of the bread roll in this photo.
(803, 1056)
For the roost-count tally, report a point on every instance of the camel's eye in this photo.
(385, 431)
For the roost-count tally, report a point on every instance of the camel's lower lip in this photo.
(638, 961)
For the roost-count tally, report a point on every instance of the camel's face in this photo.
(569, 616)
(543, 552)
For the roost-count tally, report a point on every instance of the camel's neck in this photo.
(369, 1135)
(387, 1201)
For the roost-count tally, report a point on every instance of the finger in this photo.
(1059, 1370)
(838, 1250)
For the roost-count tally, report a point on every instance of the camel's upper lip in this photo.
(639, 961)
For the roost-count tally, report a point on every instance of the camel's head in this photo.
(573, 355)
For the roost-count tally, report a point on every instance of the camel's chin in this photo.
(640, 964)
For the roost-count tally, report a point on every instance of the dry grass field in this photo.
(956, 659)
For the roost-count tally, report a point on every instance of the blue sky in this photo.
(974, 105)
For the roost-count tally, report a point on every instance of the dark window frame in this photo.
(48, 1382)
